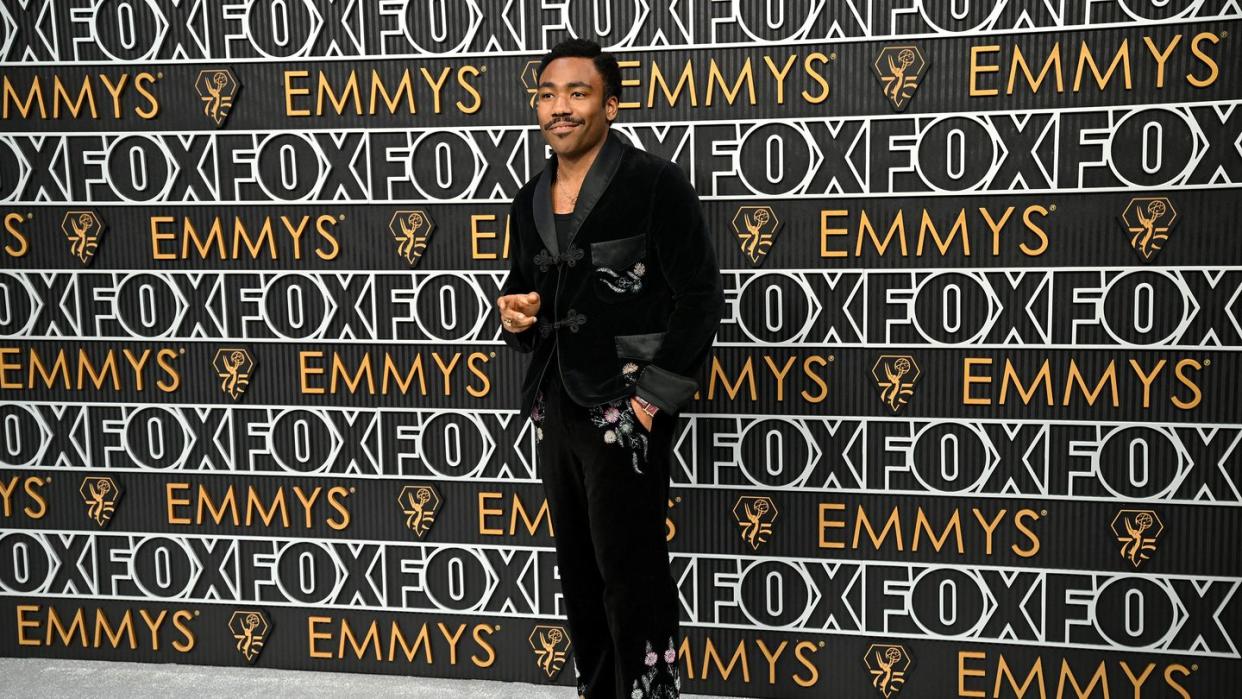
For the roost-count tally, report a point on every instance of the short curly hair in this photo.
(605, 62)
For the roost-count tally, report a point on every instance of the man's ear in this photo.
(611, 107)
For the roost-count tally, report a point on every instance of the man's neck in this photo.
(575, 170)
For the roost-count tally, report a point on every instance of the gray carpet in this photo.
(50, 677)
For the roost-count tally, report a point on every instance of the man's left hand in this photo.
(643, 417)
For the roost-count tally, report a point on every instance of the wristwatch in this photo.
(648, 407)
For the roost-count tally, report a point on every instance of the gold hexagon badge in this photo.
(412, 231)
(755, 515)
(100, 493)
(888, 664)
(419, 504)
(756, 228)
(83, 229)
(1137, 532)
(217, 89)
(234, 366)
(1148, 222)
(900, 70)
(895, 376)
(551, 646)
(530, 80)
(251, 629)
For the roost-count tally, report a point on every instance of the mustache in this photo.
(555, 122)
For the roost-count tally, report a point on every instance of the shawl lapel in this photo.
(598, 177)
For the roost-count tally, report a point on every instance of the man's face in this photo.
(571, 108)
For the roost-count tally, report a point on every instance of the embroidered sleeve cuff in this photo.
(664, 389)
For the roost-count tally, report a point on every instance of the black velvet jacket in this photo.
(634, 300)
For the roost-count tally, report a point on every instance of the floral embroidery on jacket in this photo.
(629, 372)
(627, 280)
(662, 679)
(621, 427)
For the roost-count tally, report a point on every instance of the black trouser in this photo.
(608, 501)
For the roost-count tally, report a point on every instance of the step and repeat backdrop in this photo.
(970, 429)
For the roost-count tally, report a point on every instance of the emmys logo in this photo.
(895, 375)
(83, 229)
(530, 80)
(419, 503)
(900, 68)
(100, 494)
(888, 665)
(756, 228)
(1137, 532)
(250, 629)
(217, 89)
(411, 230)
(550, 644)
(233, 366)
(1147, 221)
(755, 516)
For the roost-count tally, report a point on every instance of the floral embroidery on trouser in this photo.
(536, 416)
(621, 427)
(662, 680)
(578, 679)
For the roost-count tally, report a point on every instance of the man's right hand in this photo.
(518, 311)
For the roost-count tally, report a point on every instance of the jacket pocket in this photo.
(642, 346)
(619, 267)
(619, 253)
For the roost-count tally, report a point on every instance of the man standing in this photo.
(615, 291)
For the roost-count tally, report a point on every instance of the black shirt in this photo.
(562, 229)
(562, 239)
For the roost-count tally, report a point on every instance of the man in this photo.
(615, 291)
